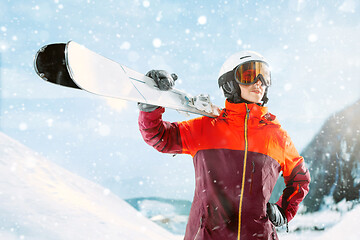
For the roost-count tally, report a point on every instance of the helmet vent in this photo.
(245, 57)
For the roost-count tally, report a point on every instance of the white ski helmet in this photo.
(227, 79)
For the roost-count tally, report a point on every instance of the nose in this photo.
(258, 83)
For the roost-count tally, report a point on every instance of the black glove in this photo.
(276, 214)
(164, 82)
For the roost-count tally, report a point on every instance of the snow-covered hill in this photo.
(40, 200)
(337, 222)
(347, 228)
(171, 214)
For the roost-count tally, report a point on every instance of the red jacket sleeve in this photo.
(296, 178)
(163, 136)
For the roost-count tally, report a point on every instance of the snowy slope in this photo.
(347, 228)
(335, 222)
(40, 200)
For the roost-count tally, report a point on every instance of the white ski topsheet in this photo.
(97, 74)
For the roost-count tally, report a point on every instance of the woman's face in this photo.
(253, 93)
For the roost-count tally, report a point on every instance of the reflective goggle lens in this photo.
(248, 73)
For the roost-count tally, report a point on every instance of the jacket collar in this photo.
(234, 111)
(240, 108)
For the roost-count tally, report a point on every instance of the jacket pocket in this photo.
(252, 176)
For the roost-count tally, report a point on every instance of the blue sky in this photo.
(313, 48)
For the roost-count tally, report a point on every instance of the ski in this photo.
(73, 65)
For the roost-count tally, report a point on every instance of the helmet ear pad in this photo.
(232, 91)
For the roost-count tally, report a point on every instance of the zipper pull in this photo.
(247, 109)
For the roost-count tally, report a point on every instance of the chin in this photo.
(255, 100)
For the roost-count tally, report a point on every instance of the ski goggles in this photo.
(250, 72)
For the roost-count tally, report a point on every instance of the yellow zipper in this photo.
(244, 167)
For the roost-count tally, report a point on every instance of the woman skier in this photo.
(237, 156)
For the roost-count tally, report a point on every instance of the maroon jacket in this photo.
(237, 158)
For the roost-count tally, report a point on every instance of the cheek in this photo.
(244, 93)
(245, 89)
(263, 90)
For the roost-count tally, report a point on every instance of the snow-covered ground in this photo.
(171, 214)
(335, 221)
(40, 200)
(347, 228)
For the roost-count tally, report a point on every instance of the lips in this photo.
(256, 91)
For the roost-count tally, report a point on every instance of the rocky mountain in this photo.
(333, 158)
